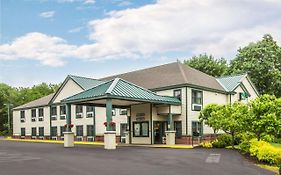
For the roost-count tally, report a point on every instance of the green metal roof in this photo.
(124, 90)
(231, 82)
(85, 83)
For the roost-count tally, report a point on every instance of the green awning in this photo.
(122, 90)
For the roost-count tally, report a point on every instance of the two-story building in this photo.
(147, 103)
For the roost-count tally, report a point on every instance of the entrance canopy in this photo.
(122, 93)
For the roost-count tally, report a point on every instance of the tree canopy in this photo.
(19, 96)
(208, 64)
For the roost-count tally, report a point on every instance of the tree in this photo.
(262, 61)
(207, 116)
(232, 117)
(263, 118)
(208, 64)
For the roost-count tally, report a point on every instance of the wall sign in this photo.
(140, 116)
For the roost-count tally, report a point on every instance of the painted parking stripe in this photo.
(213, 158)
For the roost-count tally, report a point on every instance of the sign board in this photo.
(140, 116)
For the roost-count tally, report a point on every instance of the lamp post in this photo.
(8, 106)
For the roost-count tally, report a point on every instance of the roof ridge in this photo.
(228, 76)
(137, 70)
(83, 77)
(137, 86)
(87, 90)
(111, 87)
(181, 70)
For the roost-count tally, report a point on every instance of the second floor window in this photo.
(33, 115)
(79, 109)
(177, 93)
(54, 111)
(62, 110)
(22, 116)
(41, 114)
(197, 97)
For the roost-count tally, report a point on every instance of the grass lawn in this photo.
(277, 145)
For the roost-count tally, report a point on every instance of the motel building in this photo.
(157, 105)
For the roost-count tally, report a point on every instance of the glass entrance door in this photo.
(159, 131)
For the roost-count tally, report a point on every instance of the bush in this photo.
(206, 144)
(265, 152)
(222, 141)
(245, 141)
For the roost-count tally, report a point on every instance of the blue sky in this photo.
(45, 40)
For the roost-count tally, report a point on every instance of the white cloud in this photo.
(125, 3)
(89, 2)
(214, 26)
(48, 50)
(75, 30)
(48, 14)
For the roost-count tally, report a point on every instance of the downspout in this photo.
(94, 123)
(151, 125)
(186, 108)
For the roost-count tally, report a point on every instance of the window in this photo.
(33, 115)
(79, 111)
(113, 112)
(41, 114)
(41, 131)
(33, 131)
(178, 128)
(90, 108)
(79, 130)
(243, 96)
(22, 116)
(22, 131)
(197, 128)
(62, 112)
(90, 130)
(53, 113)
(197, 100)
(140, 129)
(177, 93)
(90, 111)
(62, 130)
(54, 131)
(123, 112)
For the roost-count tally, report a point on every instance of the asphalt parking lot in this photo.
(45, 159)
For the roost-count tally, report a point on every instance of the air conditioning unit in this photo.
(90, 139)
(41, 119)
(54, 117)
(22, 120)
(54, 138)
(79, 115)
(33, 137)
(62, 137)
(33, 119)
(41, 137)
(79, 138)
(196, 107)
(123, 112)
(90, 115)
(62, 117)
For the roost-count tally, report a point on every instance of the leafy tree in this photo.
(264, 118)
(262, 61)
(207, 116)
(208, 64)
(19, 96)
(232, 117)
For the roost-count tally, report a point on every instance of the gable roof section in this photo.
(43, 101)
(83, 82)
(168, 75)
(121, 89)
(230, 83)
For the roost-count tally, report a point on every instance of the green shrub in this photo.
(245, 141)
(265, 152)
(222, 141)
(206, 144)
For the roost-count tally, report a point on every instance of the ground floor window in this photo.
(54, 131)
(62, 130)
(33, 131)
(90, 130)
(197, 128)
(141, 129)
(41, 131)
(79, 130)
(22, 131)
(178, 129)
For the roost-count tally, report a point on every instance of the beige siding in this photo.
(69, 89)
(250, 89)
(28, 124)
